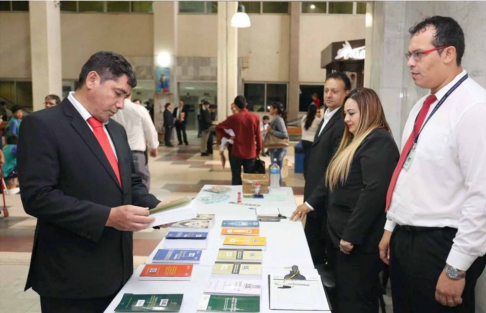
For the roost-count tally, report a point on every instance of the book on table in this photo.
(207, 217)
(234, 286)
(240, 231)
(268, 214)
(194, 225)
(174, 211)
(186, 240)
(150, 303)
(228, 303)
(240, 223)
(177, 256)
(244, 242)
(166, 272)
(300, 295)
(232, 269)
(240, 255)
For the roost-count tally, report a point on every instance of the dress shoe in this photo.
(204, 154)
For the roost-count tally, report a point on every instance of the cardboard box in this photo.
(249, 181)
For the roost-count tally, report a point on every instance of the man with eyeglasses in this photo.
(435, 235)
(51, 101)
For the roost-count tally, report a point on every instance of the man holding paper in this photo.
(77, 178)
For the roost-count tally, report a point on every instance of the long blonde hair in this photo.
(372, 117)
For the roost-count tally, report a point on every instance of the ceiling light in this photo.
(240, 19)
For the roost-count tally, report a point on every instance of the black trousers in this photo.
(357, 281)
(236, 163)
(167, 135)
(181, 132)
(95, 305)
(316, 234)
(417, 259)
(306, 145)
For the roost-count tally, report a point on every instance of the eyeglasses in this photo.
(417, 55)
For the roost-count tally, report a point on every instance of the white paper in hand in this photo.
(181, 212)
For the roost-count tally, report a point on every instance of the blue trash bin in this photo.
(299, 158)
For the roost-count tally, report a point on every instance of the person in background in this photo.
(435, 234)
(137, 101)
(316, 100)
(358, 178)
(326, 143)
(168, 124)
(10, 166)
(247, 140)
(278, 128)
(180, 115)
(14, 123)
(51, 101)
(263, 130)
(206, 127)
(5, 112)
(214, 122)
(310, 124)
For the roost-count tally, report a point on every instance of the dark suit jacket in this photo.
(68, 184)
(321, 153)
(205, 119)
(184, 110)
(168, 119)
(356, 211)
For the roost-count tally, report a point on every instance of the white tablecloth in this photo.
(286, 246)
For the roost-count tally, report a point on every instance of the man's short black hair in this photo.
(54, 97)
(3, 102)
(12, 140)
(265, 117)
(110, 66)
(340, 76)
(16, 108)
(135, 100)
(206, 103)
(240, 102)
(167, 105)
(447, 33)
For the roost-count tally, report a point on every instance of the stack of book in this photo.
(166, 272)
(177, 256)
(240, 227)
(186, 240)
(150, 303)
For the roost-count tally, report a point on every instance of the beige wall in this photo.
(317, 32)
(198, 35)
(84, 34)
(15, 46)
(266, 44)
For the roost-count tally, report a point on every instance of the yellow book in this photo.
(240, 255)
(243, 242)
(241, 231)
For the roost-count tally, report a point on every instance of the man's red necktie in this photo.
(408, 146)
(100, 134)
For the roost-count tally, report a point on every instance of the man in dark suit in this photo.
(77, 178)
(180, 115)
(168, 124)
(327, 140)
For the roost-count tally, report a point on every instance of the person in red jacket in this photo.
(247, 140)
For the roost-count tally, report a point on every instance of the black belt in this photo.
(136, 151)
(420, 228)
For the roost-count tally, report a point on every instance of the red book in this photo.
(166, 272)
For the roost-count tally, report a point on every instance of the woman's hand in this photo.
(345, 246)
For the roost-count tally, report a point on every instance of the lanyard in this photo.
(444, 98)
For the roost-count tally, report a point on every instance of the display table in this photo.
(286, 246)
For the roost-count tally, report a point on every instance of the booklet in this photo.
(240, 255)
(225, 303)
(177, 210)
(234, 286)
(150, 303)
(177, 256)
(166, 272)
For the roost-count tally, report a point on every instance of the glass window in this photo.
(7, 90)
(91, 6)
(24, 94)
(306, 92)
(251, 7)
(314, 7)
(191, 6)
(341, 7)
(117, 6)
(68, 6)
(276, 7)
(277, 93)
(211, 7)
(5, 5)
(142, 6)
(361, 8)
(255, 96)
(20, 5)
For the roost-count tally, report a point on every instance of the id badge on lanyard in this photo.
(409, 159)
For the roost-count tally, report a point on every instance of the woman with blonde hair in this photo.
(358, 178)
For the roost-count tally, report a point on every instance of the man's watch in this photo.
(454, 273)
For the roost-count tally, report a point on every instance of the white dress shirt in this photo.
(445, 186)
(140, 129)
(309, 134)
(327, 117)
(86, 115)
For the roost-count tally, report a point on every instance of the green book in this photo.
(225, 303)
(170, 205)
(150, 303)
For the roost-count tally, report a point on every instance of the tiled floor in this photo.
(176, 172)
